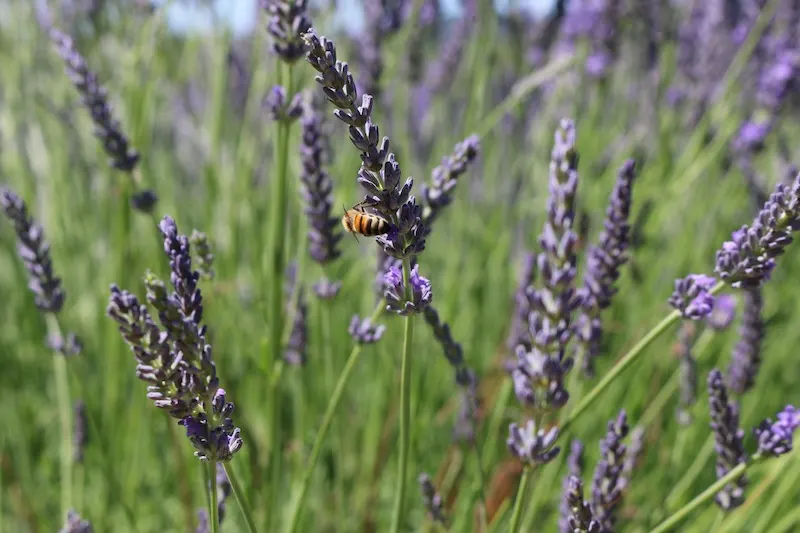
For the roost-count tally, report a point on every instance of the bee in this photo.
(356, 220)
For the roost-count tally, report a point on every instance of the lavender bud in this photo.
(202, 253)
(75, 524)
(295, 351)
(574, 471)
(445, 177)
(144, 201)
(532, 446)
(746, 359)
(580, 519)
(67, 346)
(327, 290)
(441, 332)
(288, 21)
(364, 331)
(775, 439)
(723, 313)
(79, 435)
(420, 292)
(728, 438)
(34, 252)
(323, 233)
(748, 259)
(603, 264)
(691, 296)
(431, 499)
(609, 482)
(279, 108)
(95, 98)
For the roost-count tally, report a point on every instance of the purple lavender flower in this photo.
(634, 453)
(532, 446)
(519, 324)
(574, 471)
(723, 313)
(224, 489)
(34, 252)
(323, 232)
(79, 434)
(748, 259)
(775, 439)
(728, 437)
(441, 332)
(67, 345)
(580, 518)
(280, 108)
(609, 482)
(445, 177)
(692, 297)
(75, 524)
(202, 254)
(542, 361)
(746, 359)
(95, 98)
(432, 500)
(688, 373)
(175, 358)
(603, 263)
(288, 21)
(596, 21)
(420, 292)
(295, 351)
(440, 74)
(326, 289)
(364, 331)
(380, 173)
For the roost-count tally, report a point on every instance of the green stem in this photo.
(275, 269)
(706, 495)
(627, 360)
(64, 415)
(211, 487)
(319, 440)
(523, 486)
(405, 405)
(483, 515)
(236, 487)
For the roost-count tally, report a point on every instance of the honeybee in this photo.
(356, 220)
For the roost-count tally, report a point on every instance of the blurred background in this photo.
(702, 95)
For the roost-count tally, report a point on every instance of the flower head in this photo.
(692, 296)
(531, 445)
(775, 438)
(364, 331)
(580, 518)
(746, 358)
(419, 289)
(728, 437)
(609, 481)
(445, 177)
(280, 108)
(75, 524)
(288, 21)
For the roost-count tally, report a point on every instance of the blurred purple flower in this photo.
(532, 446)
(287, 23)
(580, 517)
(75, 524)
(609, 481)
(363, 331)
(688, 373)
(279, 108)
(568, 497)
(445, 177)
(432, 500)
(692, 297)
(728, 437)
(746, 358)
(775, 439)
(723, 313)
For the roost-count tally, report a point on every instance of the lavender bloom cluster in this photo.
(174, 357)
(603, 263)
(595, 21)
(692, 296)
(431, 499)
(287, 22)
(280, 107)
(728, 437)
(580, 518)
(569, 500)
(746, 358)
(609, 480)
(75, 524)
(438, 194)
(364, 331)
(323, 233)
(776, 438)
(224, 489)
(34, 252)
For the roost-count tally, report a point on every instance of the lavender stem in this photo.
(327, 418)
(238, 492)
(521, 489)
(405, 404)
(64, 415)
(211, 488)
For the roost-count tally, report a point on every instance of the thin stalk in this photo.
(706, 495)
(483, 515)
(627, 360)
(236, 487)
(211, 487)
(338, 440)
(405, 405)
(319, 440)
(521, 490)
(275, 271)
(64, 415)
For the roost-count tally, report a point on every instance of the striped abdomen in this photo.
(366, 224)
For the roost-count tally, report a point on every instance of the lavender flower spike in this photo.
(175, 358)
(295, 351)
(95, 98)
(580, 518)
(748, 259)
(280, 108)
(532, 446)
(34, 252)
(323, 233)
(75, 524)
(775, 439)
(728, 437)
(288, 21)
(420, 289)
(431, 499)
(604, 262)
(364, 331)
(445, 177)
(746, 358)
(568, 498)
(609, 481)
(691, 296)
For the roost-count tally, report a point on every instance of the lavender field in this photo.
(568, 302)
